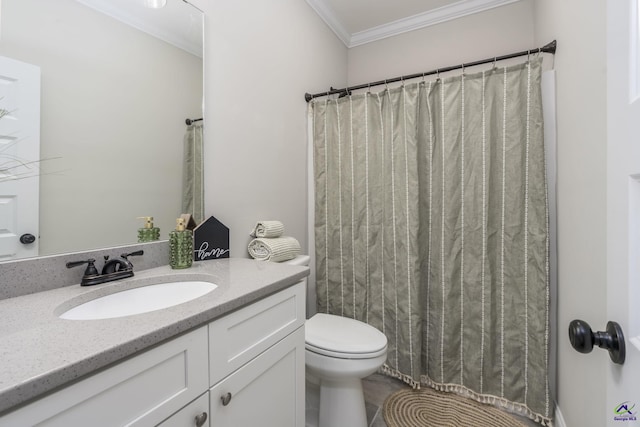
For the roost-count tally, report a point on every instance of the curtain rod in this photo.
(189, 122)
(548, 48)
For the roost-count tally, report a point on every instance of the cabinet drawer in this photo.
(141, 391)
(242, 335)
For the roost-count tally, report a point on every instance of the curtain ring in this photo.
(423, 77)
(528, 55)
(438, 74)
(368, 87)
(463, 69)
(386, 86)
(495, 65)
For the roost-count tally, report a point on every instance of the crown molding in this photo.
(432, 17)
(176, 35)
(329, 17)
(425, 19)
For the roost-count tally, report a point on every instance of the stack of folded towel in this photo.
(270, 244)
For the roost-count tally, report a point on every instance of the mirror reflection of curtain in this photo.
(192, 175)
(431, 224)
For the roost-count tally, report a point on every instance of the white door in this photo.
(623, 208)
(19, 158)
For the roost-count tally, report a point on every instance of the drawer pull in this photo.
(201, 419)
(225, 399)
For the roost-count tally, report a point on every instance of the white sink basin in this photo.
(139, 300)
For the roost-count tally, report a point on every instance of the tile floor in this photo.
(376, 389)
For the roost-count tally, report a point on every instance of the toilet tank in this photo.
(303, 260)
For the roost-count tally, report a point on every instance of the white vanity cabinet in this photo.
(268, 391)
(257, 364)
(243, 369)
(141, 391)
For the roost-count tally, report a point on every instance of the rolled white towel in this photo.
(268, 229)
(277, 249)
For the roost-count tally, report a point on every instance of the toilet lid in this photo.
(342, 336)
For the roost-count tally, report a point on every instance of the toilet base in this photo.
(339, 368)
(342, 403)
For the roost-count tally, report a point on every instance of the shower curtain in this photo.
(192, 173)
(431, 224)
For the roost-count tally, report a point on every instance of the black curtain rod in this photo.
(548, 48)
(189, 122)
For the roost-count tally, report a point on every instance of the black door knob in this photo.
(27, 238)
(583, 339)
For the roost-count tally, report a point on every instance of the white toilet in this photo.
(340, 352)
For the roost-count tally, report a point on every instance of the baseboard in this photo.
(559, 419)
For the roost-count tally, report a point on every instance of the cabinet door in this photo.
(267, 392)
(195, 414)
(141, 391)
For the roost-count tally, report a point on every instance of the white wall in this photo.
(260, 59)
(579, 27)
(491, 33)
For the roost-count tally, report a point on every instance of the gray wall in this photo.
(260, 59)
(580, 28)
(493, 32)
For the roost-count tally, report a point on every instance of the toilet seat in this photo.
(343, 338)
(339, 355)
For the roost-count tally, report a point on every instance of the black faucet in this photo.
(113, 269)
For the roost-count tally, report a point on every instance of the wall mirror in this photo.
(117, 81)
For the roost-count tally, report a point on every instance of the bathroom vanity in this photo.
(234, 355)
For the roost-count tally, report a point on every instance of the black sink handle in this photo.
(136, 253)
(91, 268)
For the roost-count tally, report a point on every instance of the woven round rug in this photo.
(430, 408)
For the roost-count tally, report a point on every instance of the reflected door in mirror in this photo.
(19, 158)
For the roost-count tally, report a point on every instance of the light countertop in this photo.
(39, 352)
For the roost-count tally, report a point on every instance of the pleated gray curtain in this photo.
(431, 224)
(192, 173)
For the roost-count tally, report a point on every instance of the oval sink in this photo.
(139, 300)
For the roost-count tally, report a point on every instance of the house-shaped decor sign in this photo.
(210, 240)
